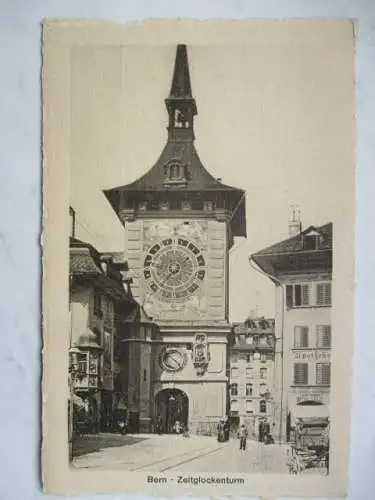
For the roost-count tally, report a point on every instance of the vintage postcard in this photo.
(198, 257)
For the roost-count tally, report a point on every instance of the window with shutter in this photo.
(234, 389)
(300, 374)
(301, 337)
(305, 295)
(263, 373)
(323, 374)
(262, 389)
(289, 296)
(298, 295)
(323, 294)
(323, 336)
(249, 406)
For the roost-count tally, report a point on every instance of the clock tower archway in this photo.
(180, 223)
(171, 406)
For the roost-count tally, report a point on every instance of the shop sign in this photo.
(309, 396)
(312, 355)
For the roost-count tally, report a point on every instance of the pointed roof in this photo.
(180, 148)
(181, 87)
(175, 150)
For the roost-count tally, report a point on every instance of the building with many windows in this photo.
(111, 342)
(301, 268)
(251, 382)
(98, 299)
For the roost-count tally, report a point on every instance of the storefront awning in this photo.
(311, 412)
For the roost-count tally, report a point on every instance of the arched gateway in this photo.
(171, 405)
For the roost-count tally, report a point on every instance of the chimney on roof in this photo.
(295, 225)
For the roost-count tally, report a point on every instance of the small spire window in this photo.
(175, 173)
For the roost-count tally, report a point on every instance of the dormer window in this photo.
(164, 205)
(311, 241)
(208, 206)
(142, 207)
(175, 173)
(186, 205)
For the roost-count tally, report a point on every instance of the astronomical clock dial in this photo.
(172, 360)
(174, 269)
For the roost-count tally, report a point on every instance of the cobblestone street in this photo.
(153, 453)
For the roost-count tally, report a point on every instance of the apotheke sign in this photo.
(312, 355)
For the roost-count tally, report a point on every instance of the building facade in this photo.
(301, 268)
(252, 375)
(179, 226)
(97, 299)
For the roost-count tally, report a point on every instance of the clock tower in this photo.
(179, 227)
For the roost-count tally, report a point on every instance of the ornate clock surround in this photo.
(173, 359)
(174, 268)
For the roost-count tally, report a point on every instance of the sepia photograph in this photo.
(209, 219)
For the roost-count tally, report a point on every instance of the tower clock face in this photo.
(172, 360)
(174, 269)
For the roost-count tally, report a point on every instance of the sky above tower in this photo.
(273, 119)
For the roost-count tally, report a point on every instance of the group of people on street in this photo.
(223, 432)
(180, 428)
(177, 428)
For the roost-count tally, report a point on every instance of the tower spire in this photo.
(181, 87)
(180, 103)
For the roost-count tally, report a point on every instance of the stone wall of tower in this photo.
(209, 303)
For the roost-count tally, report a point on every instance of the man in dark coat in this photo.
(242, 434)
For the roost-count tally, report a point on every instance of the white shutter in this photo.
(323, 294)
(305, 295)
(300, 373)
(323, 374)
(323, 335)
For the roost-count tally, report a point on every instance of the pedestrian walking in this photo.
(220, 432)
(242, 434)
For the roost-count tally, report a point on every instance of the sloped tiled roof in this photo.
(295, 243)
(199, 179)
(180, 148)
(291, 256)
(85, 263)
